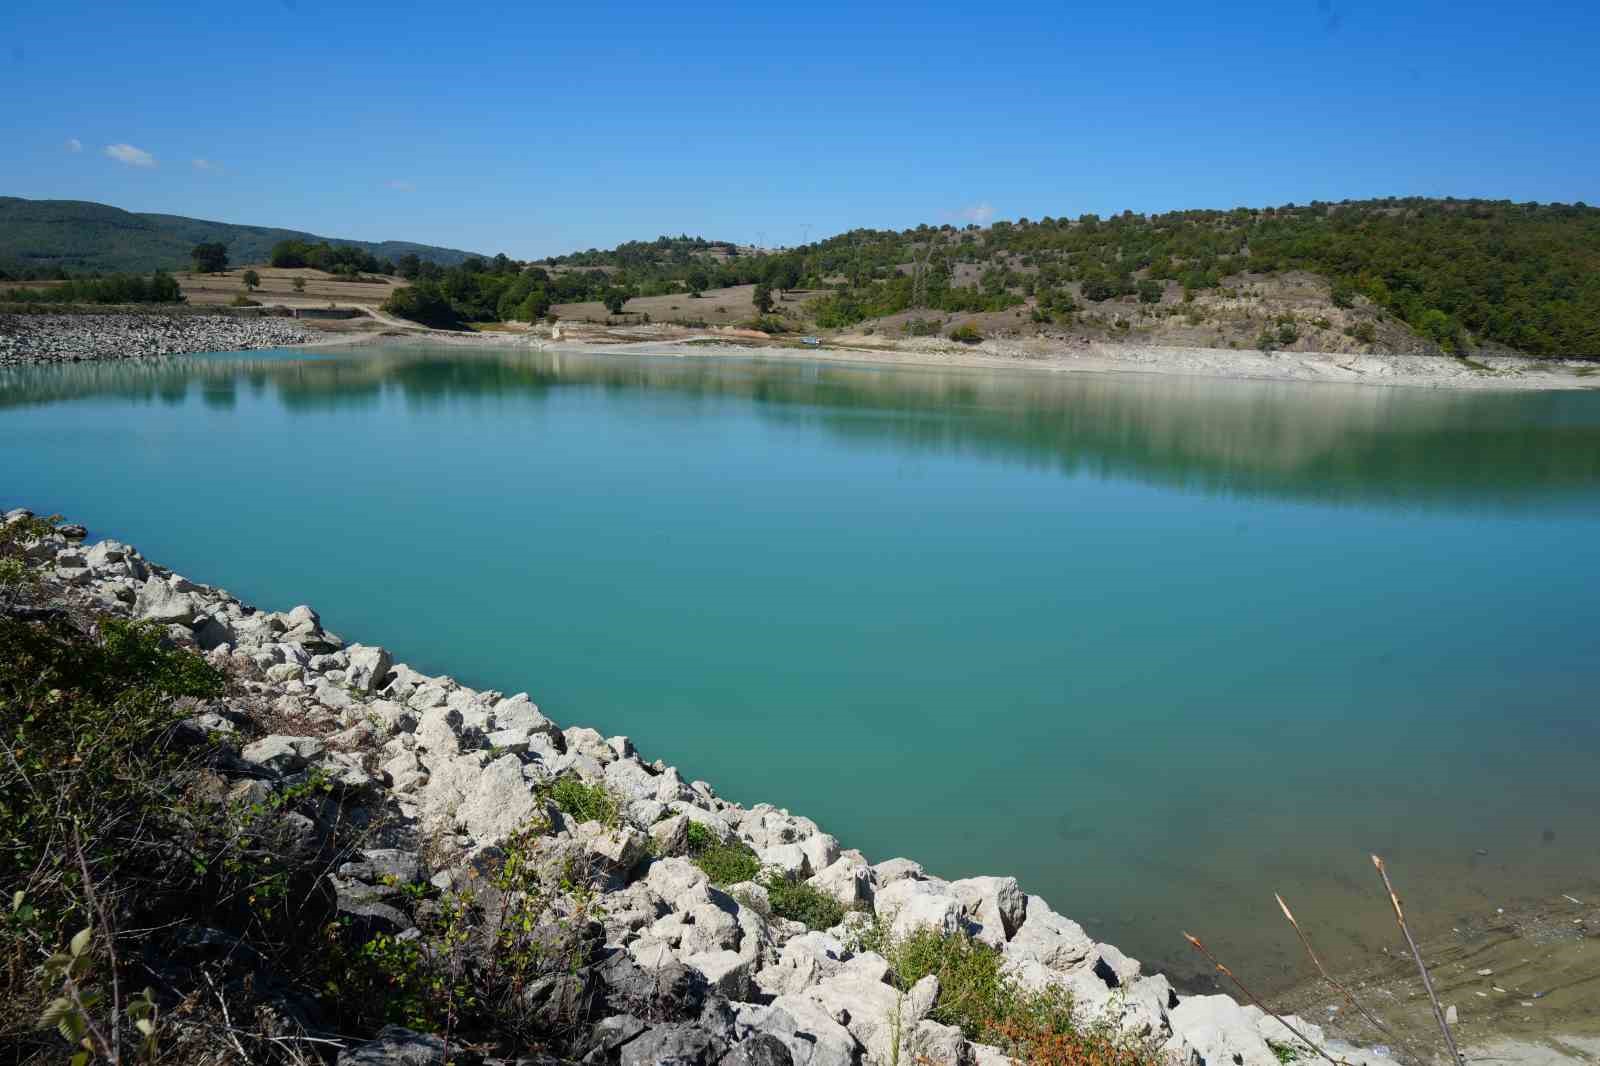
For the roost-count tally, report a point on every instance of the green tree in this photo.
(299, 284)
(614, 300)
(210, 257)
(1441, 329)
(424, 303)
(252, 280)
(762, 297)
(786, 275)
(410, 266)
(1149, 291)
(697, 281)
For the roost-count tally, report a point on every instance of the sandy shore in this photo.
(1408, 371)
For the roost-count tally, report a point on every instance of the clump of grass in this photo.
(986, 1004)
(800, 902)
(1284, 1053)
(725, 863)
(586, 803)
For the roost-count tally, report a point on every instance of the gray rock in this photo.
(1049, 939)
(397, 1046)
(283, 754)
(156, 601)
(499, 802)
(763, 1049)
(995, 903)
(367, 669)
(673, 1045)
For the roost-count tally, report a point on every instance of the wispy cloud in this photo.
(133, 157)
(400, 186)
(74, 145)
(982, 213)
(210, 165)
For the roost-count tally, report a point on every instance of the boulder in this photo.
(283, 754)
(910, 905)
(790, 860)
(995, 903)
(710, 928)
(763, 1049)
(156, 601)
(891, 870)
(1048, 938)
(670, 878)
(615, 852)
(847, 880)
(498, 803)
(397, 1046)
(673, 1045)
(802, 1025)
(367, 669)
(727, 971)
(670, 835)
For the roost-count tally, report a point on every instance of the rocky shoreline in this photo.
(691, 972)
(71, 338)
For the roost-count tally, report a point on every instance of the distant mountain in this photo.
(78, 235)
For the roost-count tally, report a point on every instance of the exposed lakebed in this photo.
(1158, 647)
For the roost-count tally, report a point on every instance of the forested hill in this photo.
(1456, 272)
(78, 236)
(1523, 275)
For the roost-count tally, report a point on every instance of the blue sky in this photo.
(539, 129)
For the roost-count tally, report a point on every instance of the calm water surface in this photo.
(1157, 647)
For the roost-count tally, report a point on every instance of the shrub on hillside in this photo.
(423, 303)
(724, 863)
(966, 333)
(800, 902)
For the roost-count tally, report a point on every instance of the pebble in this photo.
(78, 338)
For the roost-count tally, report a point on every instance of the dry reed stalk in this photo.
(1326, 976)
(1416, 953)
(1194, 942)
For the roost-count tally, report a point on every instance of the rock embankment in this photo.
(679, 969)
(77, 338)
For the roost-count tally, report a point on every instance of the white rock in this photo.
(995, 903)
(805, 1027)
(671, 878)
(727, 971)
(368, 668)
(821, 849)
(284, 754)
(499, 802)
(1048, 938)
(847, 880)
(156, 601)
(891, 870)
(790, 860)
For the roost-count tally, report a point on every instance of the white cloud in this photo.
(74, 145)
(981, 213)
(208, 164)
(127, 153)
(400, 186)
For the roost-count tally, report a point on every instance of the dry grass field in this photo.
(277, 287)
(716, 307)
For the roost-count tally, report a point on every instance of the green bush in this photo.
(800, 902)
(586, 803)
(425, 303)
(975, 994)
(966, 333)
(727, 864)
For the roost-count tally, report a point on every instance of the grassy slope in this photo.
(83, 236)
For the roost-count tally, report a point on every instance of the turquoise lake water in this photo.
(1157, 646)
